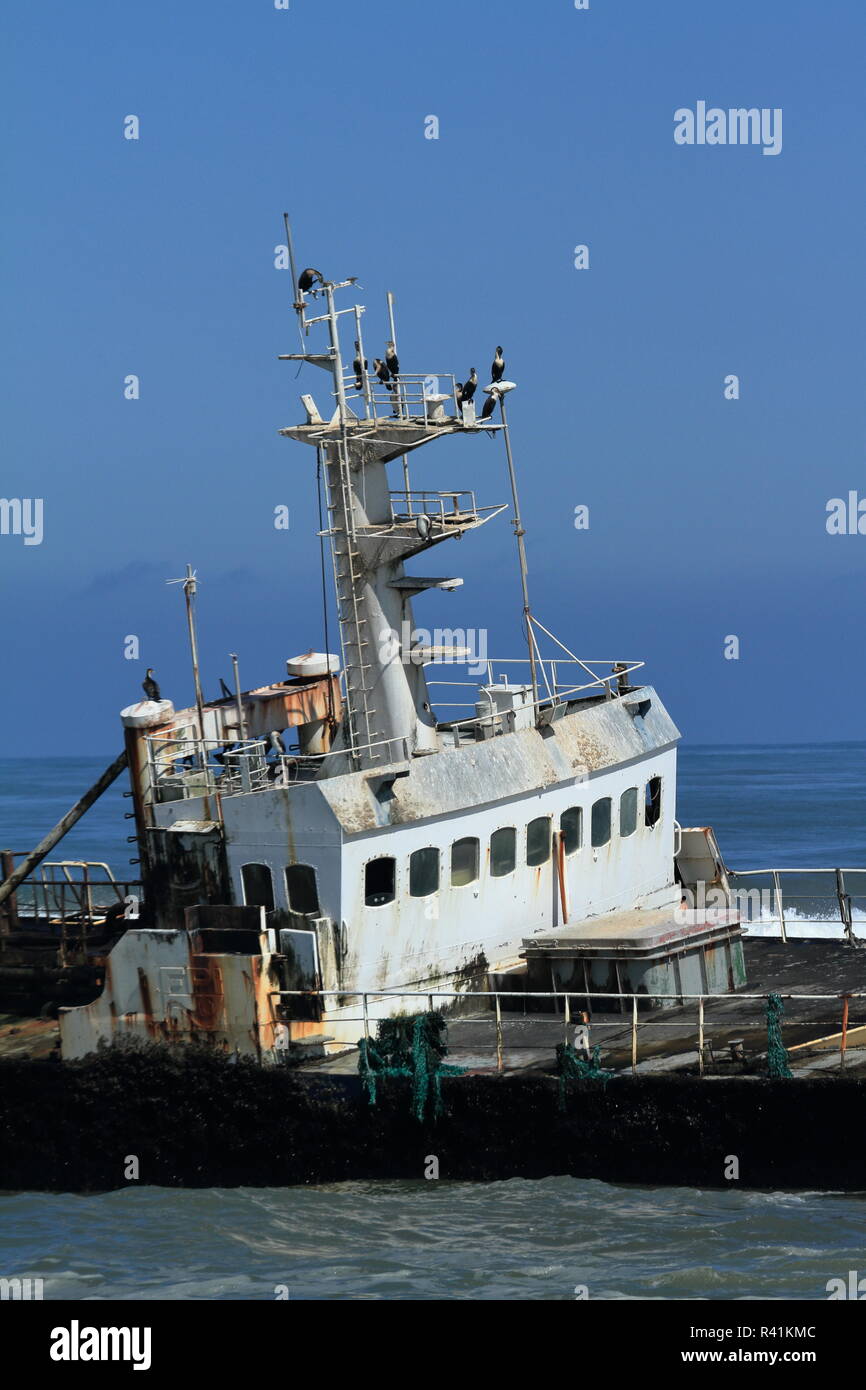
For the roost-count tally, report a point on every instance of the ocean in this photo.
(561, 1238)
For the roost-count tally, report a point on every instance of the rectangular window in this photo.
(538, 841)
(301, 889)
(464, 862)
(571, 829)
(653, 803)
(503, 851)
(423, 872)
(600, 822)
(628, 812)
(379, 880)
(258, 886)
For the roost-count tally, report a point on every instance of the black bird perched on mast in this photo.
(497, 371)
(490, 405)
(358, 369)
(469, 386)
(149, 685)
(308, 278)
(458, 391)
(382, 373)
(392, 360)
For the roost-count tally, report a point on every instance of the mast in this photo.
(373, 530)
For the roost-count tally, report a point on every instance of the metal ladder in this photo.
(353, 624)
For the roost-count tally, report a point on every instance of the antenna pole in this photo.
(521, 552)
(298, 300)
(240, 704)
(189, 588)
(406, 483)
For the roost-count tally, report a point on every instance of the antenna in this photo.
(298, 304)
(406, 483)
(189, 588)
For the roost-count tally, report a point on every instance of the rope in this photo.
(413, 1046)
(571, 1067)
(777, 1057)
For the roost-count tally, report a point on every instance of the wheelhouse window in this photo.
(301, 889)
(571, 829)
(538, 841)
(503, 851)
(464, 862)
(653, 802)
(628, 812)
(600, 822)
(380, 876)
(423, 872)
(258, 886)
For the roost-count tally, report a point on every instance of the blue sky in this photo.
(156, 257)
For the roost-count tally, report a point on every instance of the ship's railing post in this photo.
(780, 907)
(499, 1061)
(566, 1013)
(843, 1041)
(701, 1035)
(366, 1018)
(845, 912)
(633, 1034)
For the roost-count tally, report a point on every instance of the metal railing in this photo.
(793, 910)
(556, 691)
(181, 770)
(618, 1036)
(412, 395)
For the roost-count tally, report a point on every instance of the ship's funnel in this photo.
(313, 665)
(146, 713)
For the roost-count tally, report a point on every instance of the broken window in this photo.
(571, 829)
(600, 822)
(628, 812)
(423, 872)
(538, 841)
(379, 879)
(653, 805)
(301, 889)
(503, 851)
(464, 862)
(258, 886)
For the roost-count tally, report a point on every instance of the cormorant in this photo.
(458, 391)
(470, 385)
(308, 278)
(356, 368)
(382, 373)
(149, 685)
(225, 693)
(275, 742)
(392, 360)
(490, 405)
(498, 369)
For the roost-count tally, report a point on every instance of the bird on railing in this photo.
(497, 371)
(490, 404)
(308, 278)
(358, 369)
(392, 361)
(469, 387)
(149, 685)
(382, 373)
